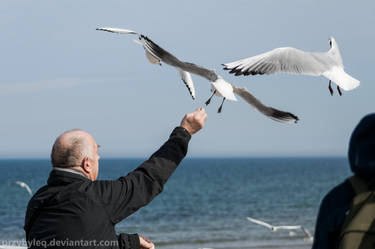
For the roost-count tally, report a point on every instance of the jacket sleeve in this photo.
(128, 241)
(127, 194)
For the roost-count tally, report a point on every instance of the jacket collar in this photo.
(59, 177)
(69, 170)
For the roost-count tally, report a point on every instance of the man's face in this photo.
(94, 162)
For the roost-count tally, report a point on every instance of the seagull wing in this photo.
(171, 60)
(19, 183)
(270, 112)
(24, 185)
(28, 189)
(287, 227)
(307, 232)
(259, 222)
(118, 31)
(288, 60)
(186, 78)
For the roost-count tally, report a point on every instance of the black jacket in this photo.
(338, 201)
(74, 211)
(332, 215)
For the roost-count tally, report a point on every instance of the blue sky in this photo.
(59, 73)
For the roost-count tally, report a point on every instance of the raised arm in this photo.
(124, 196)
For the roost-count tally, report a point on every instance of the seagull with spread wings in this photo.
(272, 228)
(292, 60)
(24, 185)
(221, 88)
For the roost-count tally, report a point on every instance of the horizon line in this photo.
(196, 157)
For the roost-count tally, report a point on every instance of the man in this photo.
(74, 210)
(337, 202)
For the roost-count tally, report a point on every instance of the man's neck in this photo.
(71, 170)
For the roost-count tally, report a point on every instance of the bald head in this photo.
(71, 148)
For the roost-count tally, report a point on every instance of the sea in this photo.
(206, 201)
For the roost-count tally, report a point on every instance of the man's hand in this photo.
(194, 121)
(145, 243)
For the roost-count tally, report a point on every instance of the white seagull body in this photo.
(155, 54)
(292, 60)
(24, 185)
(275, 228)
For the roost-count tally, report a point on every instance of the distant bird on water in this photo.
(24, 185)
(292, 60)
(221, 88)
(272, 228)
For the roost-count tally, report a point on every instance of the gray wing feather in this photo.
(118, 30)
(288, 60)
(270, 112)
(171, 60)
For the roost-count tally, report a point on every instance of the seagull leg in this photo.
(338, 89)
(221, 106)
(209, 100)
(330, 88)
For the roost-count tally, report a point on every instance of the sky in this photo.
(59, 73)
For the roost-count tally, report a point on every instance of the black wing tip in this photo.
(146, 38)
(234, 70)
(237, 72)
(103, 29)
(225, 67)
(187, 86)
(284, 117)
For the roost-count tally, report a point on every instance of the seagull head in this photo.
(332, 42)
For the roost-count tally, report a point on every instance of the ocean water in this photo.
(206, 201)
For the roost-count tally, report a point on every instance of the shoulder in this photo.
(339, 195)
(336, 203)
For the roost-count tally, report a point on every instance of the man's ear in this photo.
(85, 164)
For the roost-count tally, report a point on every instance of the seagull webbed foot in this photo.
(209, 100)
(221, 106)
(338, 89)
(330, 88)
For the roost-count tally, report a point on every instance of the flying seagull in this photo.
(24, 185)
(221, 88)
(155, 54)
(292, 60)
(275, 228)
